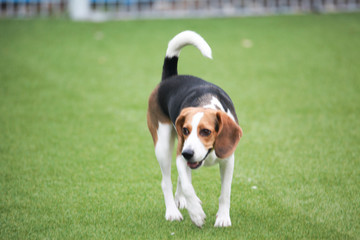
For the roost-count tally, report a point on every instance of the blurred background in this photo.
(101, 10)
(77, 160)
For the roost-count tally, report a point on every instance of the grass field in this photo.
(77, 161)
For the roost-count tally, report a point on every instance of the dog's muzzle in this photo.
(188, 154)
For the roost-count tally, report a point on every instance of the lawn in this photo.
(77, 160)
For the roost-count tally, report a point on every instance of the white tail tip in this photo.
(187, 38)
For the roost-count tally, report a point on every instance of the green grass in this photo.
(77, 161)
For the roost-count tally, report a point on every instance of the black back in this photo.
(181, 91)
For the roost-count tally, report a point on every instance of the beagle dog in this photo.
(202, 117)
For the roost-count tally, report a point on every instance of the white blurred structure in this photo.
(79, 9)
(100, 10)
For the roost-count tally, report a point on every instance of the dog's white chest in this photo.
(211, 159)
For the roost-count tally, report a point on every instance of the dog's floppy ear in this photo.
(179, 123)
(229, 134)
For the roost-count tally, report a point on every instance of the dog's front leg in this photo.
(193, 204)
(180, 199)
(163, 152)
(226, 172)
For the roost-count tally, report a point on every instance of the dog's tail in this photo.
(176, 44)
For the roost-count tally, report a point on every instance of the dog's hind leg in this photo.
(163, 151)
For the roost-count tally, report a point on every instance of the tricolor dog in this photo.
(202, 117)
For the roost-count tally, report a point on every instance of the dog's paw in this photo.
(198, 217)
(198, 200)
(196, 213)
(180, 201)
(222, 220)
(173, 214)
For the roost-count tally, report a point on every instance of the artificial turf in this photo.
(77, 161)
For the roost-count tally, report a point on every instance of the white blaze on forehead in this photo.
(196, 119)
(215, 104)
(193, 142)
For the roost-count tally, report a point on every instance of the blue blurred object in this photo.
(21, 1)
(123, 2)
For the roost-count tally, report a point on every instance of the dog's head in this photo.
(202, 130)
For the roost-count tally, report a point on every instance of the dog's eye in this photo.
(185, 131)
(205, 132)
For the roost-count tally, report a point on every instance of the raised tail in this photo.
(174, 47)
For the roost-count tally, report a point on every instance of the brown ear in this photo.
(179, 123)
(228, 137)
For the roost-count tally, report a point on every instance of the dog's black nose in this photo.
(188, 154)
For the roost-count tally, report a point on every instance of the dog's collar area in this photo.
(195, 165)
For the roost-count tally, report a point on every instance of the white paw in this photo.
(198, 200)
(196, 212)
(180, 201)
(222, 220)
(198, 217)
(173, 214)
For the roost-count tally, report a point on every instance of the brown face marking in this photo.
(206, 130)
(183, 121)
(224, 132)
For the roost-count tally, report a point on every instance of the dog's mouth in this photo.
(195, 165)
